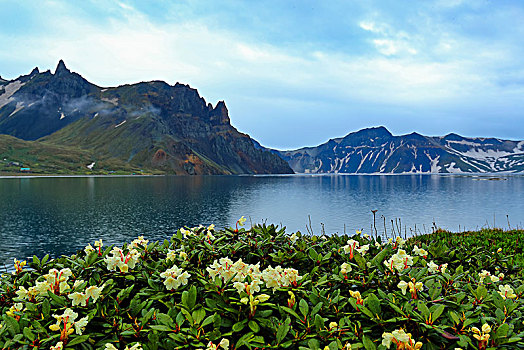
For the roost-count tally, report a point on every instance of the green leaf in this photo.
(161, 327)
(319, 322)
(199, 315)
(46, 308)
(380, 257)
(237, 327)
(28, 334)
(254, 326)
(291, 312)
(44, 259)
(502, 331)
(78, 340)
(208, 320)
(313, 344)
(360, 260)
(189, 298)
(282, 330)
(36, 261)
(312, 254)
(304, 307)
(423, 309)
(58, 300)
(368, 344)
(437, 312)
(373, 303)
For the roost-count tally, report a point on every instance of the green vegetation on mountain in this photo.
(151, 126)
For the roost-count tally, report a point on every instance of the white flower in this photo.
(89, 248)
(403, 286)
(506, 291)
(171, 255)
(420, 251)
(175, 277)
(363, 249)
(224, 344)
(345, 268)
(78, 298)
(432, 267)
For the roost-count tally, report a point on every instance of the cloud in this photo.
(401, 65)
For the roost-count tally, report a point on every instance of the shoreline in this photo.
(493, 176)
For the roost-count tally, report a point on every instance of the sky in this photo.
(295, 73)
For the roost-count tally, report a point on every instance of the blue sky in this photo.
(295, 73)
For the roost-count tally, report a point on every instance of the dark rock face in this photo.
(149, 124)
(376, 150)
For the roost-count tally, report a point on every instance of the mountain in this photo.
(376, 150)
(148, 125)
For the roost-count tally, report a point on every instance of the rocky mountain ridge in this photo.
(377, 151)
(150, 125)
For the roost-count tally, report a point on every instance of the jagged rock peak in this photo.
(61, 68)
(34, 71)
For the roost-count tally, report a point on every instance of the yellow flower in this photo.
(110, 346)
(333, 325)
(241, 221)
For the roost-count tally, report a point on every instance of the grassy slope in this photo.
(47, 158)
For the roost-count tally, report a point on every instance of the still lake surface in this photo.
(59, 215)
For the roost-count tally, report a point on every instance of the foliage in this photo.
(262, 288)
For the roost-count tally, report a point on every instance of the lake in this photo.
(59, 215)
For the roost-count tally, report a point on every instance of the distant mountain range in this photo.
(61, 120)
(61, 123)
(377, 151)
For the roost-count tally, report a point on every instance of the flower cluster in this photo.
(175, 277)
(238, 271)
(506, 291)
(121, 261)
(55, 281)
(357, 296)
(413, 287)
(253, 302)
(400, 261)
(482, 335)
(401, 339)
(89, 248)
(419, 251)
(19, 265)
(350, 247)
(139, 242)
(15, 311)
(66, 322)
(484, 274)
(90, 293)
(434, 268)
(399, 242)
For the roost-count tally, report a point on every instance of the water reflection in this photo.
(61, 215)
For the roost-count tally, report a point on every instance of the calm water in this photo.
(61, 215)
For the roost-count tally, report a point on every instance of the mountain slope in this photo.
(376, 150)
(147, 125)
